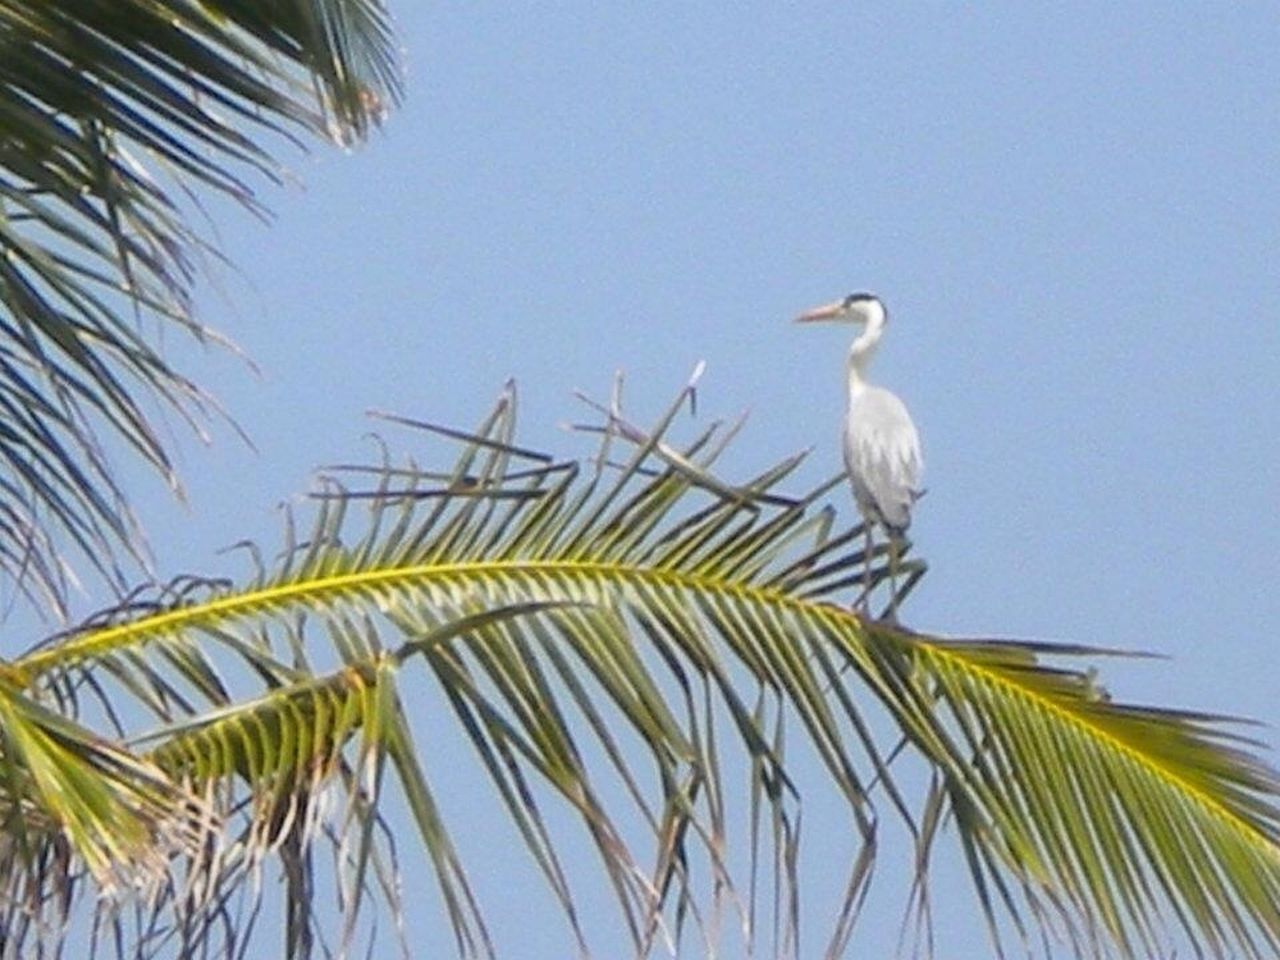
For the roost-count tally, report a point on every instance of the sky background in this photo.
(1072, 214)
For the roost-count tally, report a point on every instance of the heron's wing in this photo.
(882, 453)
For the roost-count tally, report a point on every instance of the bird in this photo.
(881, 444)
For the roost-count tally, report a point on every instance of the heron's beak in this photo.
(830, 311)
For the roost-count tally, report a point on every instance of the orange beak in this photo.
(830, 311)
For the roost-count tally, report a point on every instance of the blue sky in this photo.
(1071, 212)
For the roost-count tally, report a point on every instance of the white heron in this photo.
(881, 445)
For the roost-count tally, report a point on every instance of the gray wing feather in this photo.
(882, 454)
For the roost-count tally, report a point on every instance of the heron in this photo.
(881, 446)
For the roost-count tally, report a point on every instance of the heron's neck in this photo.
(860, 356)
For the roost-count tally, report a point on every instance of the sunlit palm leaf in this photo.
(1126, 808)
(64, 789)
(653, 599)
(114, 117)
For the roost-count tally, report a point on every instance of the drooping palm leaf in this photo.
(72, 802)
(115, 117)
(601, 629)
(1127, 808)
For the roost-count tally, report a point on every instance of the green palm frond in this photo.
(595, 630)
(113, 118)
(1123, 808)
(289, 746)
(64, 789)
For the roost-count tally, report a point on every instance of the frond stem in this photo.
(102, 641)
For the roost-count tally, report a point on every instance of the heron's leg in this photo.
(864, 602)
(893, 576)
(912, 571)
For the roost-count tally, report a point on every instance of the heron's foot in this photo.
(889, 616)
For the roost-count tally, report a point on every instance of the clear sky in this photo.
(1073, 214)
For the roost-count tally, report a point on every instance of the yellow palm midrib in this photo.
(102, 641)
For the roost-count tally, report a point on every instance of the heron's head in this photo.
(855, 308)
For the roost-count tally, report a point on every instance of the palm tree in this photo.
(597, 628)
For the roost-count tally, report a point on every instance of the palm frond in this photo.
(1125, 808)
(72, 801)
(577, 620)
(110, 115)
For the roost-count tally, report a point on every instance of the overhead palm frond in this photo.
(114, 119)
(594, 633)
